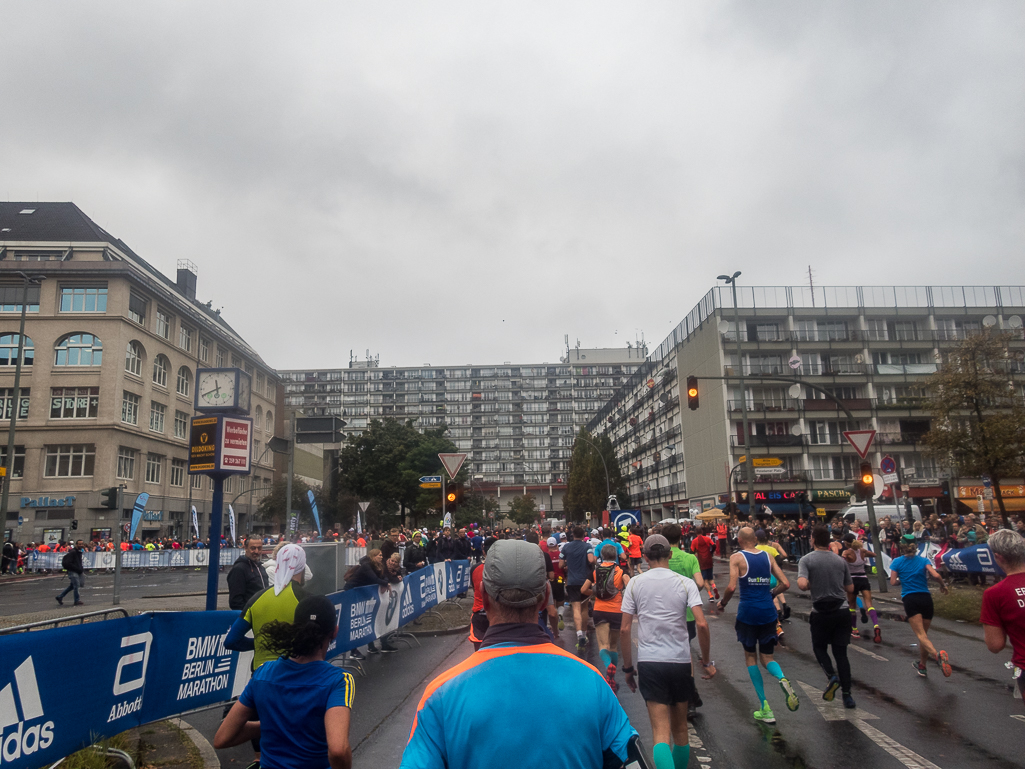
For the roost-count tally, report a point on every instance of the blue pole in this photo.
(212, 576)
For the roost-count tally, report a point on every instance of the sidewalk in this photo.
(132, 605)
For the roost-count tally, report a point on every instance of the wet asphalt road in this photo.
(967, 720)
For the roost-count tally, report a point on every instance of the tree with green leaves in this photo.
(523, 510)
(272, 506)
(385, 463)
(978, 417)
(586, 489)
(475, 508)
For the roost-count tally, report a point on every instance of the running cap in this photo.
(655, 539)
(908, 537)
(317, 608)
(848, 537)
(562, 535)
(552, 542)
(513, 564)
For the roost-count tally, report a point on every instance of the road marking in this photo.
(1019, 718)
(835, 711)
(873, 655)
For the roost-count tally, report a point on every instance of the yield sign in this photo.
(363, 506)
(452, 463)
(861, 440)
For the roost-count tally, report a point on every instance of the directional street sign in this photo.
(767, 462)
(861, 440)
(770, 470)
(430, 479)
(431, 485)
(452, 463)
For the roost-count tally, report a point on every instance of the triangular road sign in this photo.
(861, 440)
(363, 506)
(452, 463)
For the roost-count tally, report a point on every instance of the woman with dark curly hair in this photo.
(302, 703)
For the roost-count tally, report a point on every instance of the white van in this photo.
(859, 511)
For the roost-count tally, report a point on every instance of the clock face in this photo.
(216, 388)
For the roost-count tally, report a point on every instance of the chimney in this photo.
(187, 274)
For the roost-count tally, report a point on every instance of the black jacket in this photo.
(365, 574)
(245, 580)
(72, 561)
(446, 549)
(414, 555)
(462, 548)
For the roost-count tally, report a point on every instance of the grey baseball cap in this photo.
(656, 539)
(515, 564)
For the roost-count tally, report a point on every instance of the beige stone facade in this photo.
(109, 382)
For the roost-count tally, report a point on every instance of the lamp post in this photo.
(251, 516)
(608, 490)
(731, 280)
(16, 395)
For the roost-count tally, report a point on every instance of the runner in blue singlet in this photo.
(752, 571)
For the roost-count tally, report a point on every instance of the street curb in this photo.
(206, 750)
(451, 631)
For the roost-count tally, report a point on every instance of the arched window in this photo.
(160, 371)
(79, 350)
(133, 358)
(270, 421)
(9, 350)
(259, 417)
(184, 385)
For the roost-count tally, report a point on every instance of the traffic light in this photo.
(74, 524)
(451, 497)
(866, 484)
(109, 498)
(692, 393)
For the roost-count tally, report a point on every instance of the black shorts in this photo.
(666, 683)
(558, 591)
(757, 637)
(635, 561)
(707, 574)
(573, 593)
(479, 624)
(860, 584)
(614, 618)
(692, 629)
(918, 603)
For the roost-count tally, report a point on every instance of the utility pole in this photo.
(16, 395)
(288, 480)
(731, 280)
(117, 543)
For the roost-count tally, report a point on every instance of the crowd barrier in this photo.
(133, 559)
(153, 666)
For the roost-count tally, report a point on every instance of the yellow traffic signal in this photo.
(867, 479)
(451, 496)
(692, 393)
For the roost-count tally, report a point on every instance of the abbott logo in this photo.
(21, 741)
(121, 687)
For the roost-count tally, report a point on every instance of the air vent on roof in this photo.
(27, 211)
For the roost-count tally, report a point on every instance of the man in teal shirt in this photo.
(685, 564)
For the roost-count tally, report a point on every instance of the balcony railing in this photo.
(906, 368)
(768, 440)
(902, 437)
(775, 406)
(825, 404)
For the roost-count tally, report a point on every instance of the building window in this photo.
(70, 460)
(126, 464)
(229, 484)
(181, 424)
(219, 363)
(184, 384)
(7, 400)
(19, 460)
(133, 359)
(163, 324)
(177, 472)
(156, 416)
(130, 408)
(137, 309)
(74, 402)
(257, 455)
(236, 362)
(79, 350)
(9, 350)
(270, 421)
(153, 464)
(204, 350)
(83, 299)
(11, 296)
(260, 383)
(160, 371)
(197, 482)
(185, 338)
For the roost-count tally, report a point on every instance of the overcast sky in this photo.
(468, 182)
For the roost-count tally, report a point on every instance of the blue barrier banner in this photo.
(977, 559)
(154, 666)
(135, 559)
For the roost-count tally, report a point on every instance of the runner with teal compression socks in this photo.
(751, 570)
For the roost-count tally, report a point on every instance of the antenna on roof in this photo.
(811, 285)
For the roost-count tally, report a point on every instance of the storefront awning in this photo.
(1011, 504)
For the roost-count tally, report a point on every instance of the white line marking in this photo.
(835, 711)
(906, 756)
(1019, 718)
(873, 655)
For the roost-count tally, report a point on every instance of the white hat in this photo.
(552, 542)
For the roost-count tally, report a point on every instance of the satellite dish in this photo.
(1014, 321)
(795, 391)
(795, 428)
(724, 326)
(859, 358)
(795, 363)
(989, 321)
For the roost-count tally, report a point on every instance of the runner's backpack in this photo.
(66, 560)
(605, 582)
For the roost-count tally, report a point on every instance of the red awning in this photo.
(918, 492)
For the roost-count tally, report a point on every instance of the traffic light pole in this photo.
(117, 545)
(444, 499)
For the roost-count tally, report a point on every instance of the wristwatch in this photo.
(629, 670)
(708, 664)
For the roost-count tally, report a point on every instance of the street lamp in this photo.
(731, 280)
(16, 395)
(608, 490)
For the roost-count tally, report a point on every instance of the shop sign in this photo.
(1005, 491)
(830, 495)
(48, 502)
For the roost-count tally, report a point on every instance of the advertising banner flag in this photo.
(231, 524)
(195, 521)
(313, 509)
(977, 559)
(137, 511)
